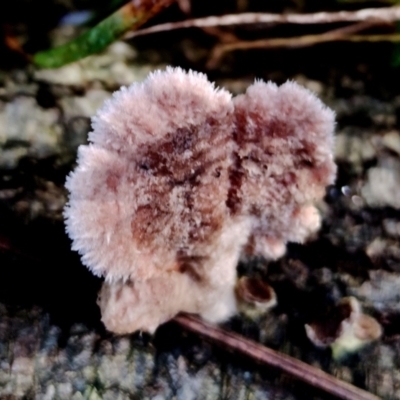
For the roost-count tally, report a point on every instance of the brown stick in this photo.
(384, 14)
(307, 40)
(341, 34)
(262, 354)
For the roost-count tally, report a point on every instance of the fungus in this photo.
(345, 328)
(179, 181)
(255, 297)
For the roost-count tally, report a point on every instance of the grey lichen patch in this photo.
(385, 381)
(16, 83)
(382, 187)
(381, 291)
(351, 147)
(83, 106)
(114, 67)
(391, 140)
(384, 251)
(28, 130)
(391, 227)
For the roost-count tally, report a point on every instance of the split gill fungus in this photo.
(180, 181)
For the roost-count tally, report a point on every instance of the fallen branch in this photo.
(298, 369)
(384, 14)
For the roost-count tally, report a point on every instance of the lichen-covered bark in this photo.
(39, 361)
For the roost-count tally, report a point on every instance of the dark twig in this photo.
(262, 354)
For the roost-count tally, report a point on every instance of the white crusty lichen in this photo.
(180, 180)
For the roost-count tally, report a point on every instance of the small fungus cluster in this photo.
(180, 180)
(345, 328)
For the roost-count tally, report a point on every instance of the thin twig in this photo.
(384, 14)
(341, 34)
(354, 28)
(298, 369)
(394, 38)
(307, 40)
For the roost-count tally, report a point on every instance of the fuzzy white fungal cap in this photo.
(179, 181)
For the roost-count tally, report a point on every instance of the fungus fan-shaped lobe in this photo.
(103, 202)
(166, 104)
(285, 139)
(154, 181)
